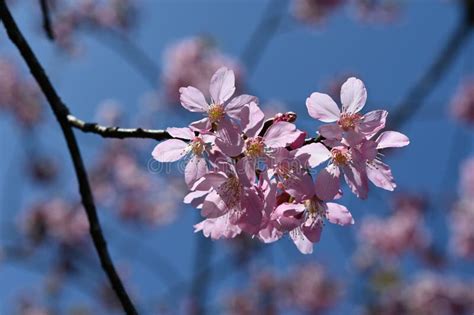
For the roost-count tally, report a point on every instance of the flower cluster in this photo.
(257, 176)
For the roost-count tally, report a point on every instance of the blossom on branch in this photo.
(256, 176)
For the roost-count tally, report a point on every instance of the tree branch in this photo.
(46, 19)
(61, 112)
(414, 99)
(117, 132)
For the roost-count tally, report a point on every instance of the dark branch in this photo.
(61, 112)
(117, 132)
(414, 99)
(46, 19)
(264, 32)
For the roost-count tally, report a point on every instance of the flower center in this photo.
(340, 156)
(254, 147)
(348, 121)
(230, 191)
(314, 208)
(215, 112)
(197, 146)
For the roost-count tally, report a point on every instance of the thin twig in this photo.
(61, 112)
(260, 38)
(414, 99)
(46, 19)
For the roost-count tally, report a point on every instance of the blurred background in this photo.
(121, 62)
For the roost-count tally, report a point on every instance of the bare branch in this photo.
(61, 112)
(46, 19)
(414, 99)
(117, 132)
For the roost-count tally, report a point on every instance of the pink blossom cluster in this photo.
(462, 216)
(427, 294)
(192, 61)
(57, 220)
(249, 175)
(72, 16)
(404, 230)
(18, 95)
(306, 288)
(317, 11)
(462, 104)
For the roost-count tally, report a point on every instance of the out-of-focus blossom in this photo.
(462, 104)
(190, 62)
(377, 10)
(69, 17)
(122, 183)
(462, 214)
(43, 169)
(427, 294)
(310, 289)
(58, 220)
(18, 95)
(393, 236)
(315, 11)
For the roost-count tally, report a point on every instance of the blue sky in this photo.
(390, 58)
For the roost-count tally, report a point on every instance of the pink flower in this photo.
(304, 217)
(197, 148)
(231, 200)
(351, 125)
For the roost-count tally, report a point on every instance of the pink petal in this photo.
(392, 139)
(312, 230)
(195, 169)
(373, 122)
(201, 125)
(210, 180)
(170, 150)
(303, 244)
(327, 183)
(251, 118)
(228, 138)
(300, 186)
(213, 206)
(280, 134)
(250, 221)
(338, 214)
(285, 214)
(381, 175)
(245, 169)
(192, 99)
(356, 178)
(183, 133)
(331, 132)
(217, 228)
(234, 107)
(299, 142)
(353, 95)
(222, 85)
(322, 107)
(195, 198)
(317, 153)
(269, 234)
